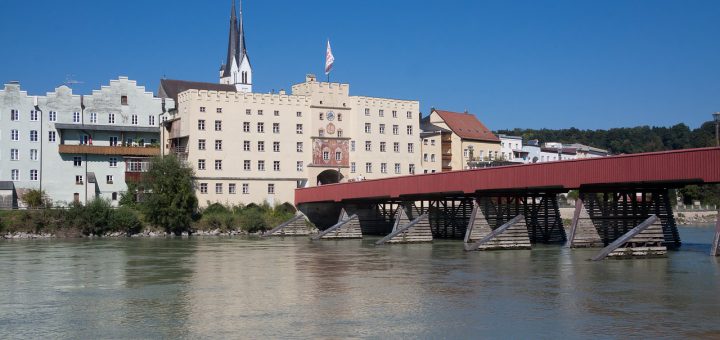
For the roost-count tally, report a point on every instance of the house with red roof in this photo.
(462, 141)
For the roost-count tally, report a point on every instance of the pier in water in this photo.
(278, 287)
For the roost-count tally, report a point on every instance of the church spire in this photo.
(233, 53)
(241, 38)
(237, 70)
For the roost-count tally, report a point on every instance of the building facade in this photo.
(76, 147)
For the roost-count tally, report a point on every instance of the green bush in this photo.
(35, 198)
(94, 218)
(125, 220)
(252, 220)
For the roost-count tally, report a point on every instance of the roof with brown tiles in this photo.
(467, 126)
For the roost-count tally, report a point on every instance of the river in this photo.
(215, 287)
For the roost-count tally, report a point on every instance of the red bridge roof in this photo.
(671, 168)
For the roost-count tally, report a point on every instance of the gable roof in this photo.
(170, 88)
(467, 126)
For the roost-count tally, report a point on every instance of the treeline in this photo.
(635, 140)
(627, 140)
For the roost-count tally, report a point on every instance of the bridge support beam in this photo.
(541, 211)
(615, 211)
(296, 226)
(348, 226)
(511, 235)
(645, 240)
(583, 233)
(715, 251)
(406, 231)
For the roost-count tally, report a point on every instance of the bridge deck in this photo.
(667, 168)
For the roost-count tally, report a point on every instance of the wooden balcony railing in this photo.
(110, 150)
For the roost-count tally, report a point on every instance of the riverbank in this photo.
(20, 235)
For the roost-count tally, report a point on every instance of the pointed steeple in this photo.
(233, 52)
(241, 36)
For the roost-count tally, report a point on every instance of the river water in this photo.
(293, 287)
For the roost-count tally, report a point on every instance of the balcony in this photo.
(134, 170)
(447, 156)
(110, 150)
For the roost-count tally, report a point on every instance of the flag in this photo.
(329, 59)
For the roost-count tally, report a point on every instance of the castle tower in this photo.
(237, 70)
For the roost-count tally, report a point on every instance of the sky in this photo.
(526, 64)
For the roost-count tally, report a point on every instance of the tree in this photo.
(170, 199)
(35, 198)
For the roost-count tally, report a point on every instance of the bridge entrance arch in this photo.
(329, 177)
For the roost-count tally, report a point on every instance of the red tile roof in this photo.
(467, 126)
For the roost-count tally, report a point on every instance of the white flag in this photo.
(329, 59)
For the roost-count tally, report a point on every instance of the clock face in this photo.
(330, 115)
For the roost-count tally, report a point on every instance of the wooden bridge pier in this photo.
(348, 226)
(480, 236)
(644, 240)
(408, 231)
(540, 209)
(715, 250)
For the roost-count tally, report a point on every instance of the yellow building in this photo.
(460, 139)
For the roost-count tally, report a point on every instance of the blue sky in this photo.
(532, 64)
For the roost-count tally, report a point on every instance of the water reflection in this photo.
(233, 287)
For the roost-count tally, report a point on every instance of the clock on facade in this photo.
(330, 115)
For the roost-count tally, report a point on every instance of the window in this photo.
(109, 179)
(367, 112)
(201, 124)
(298, 129)
(352, 145)
(85, 139)
(326, 155)
(246, 165)
(14, 115)
(339, 115)
(246, 145)
(299, 166)
(368, 145)
(425, 157)
(14, 155)
(382, 129)
(218, 188)
(396, 147)
(409, 130)
(123, 100)
(368, 167)
(397, 168)
(339, 133)
(33, 116)
(113, 141)
(276, 127)
(276, 146)
(77, 161)
(432, 158)
(411, 169)
(367, 128)
(382, 146)
(113, 162)
(52, 116)
(78, 179)
(231, 189)
(271, 188)
(218, 145)
(409, 114)
(261, 165)
(261, 127)
(114, 196)
(261, 146)
(201, 164)
(299, 147)
(218, 164)
(203, 188)
(111, 118)
(202, 109)
(394, 114)
(14, 175)
(260, 112)
(338, 155)
(383, 168)
(425, 141)
(432, 142)
(352, 167)
(411, 148)
(134, 119)
(276, 113)
(466, 153)
(218, 125)
(33, 135)
(248, 112)
(321, 132)
(33, 154)
(298, 114)
(151, 120)
(245, 188)
(322, 115)
(93, 117)
(76, 117)
(218, 110)
(201, 144)
(51, 136)
(276, 165)
(246, 126)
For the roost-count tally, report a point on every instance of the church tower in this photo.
(237, 70)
